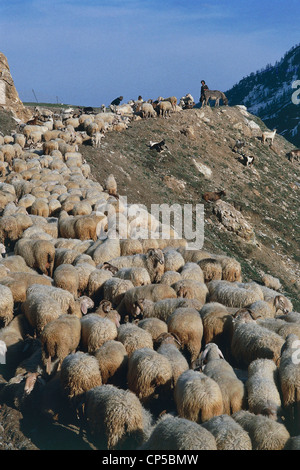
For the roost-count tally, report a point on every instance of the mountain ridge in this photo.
(268, 93)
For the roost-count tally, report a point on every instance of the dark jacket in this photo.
(116, 102)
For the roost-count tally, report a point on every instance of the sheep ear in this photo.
(220, 354)
(83, 306)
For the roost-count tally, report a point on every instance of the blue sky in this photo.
(89, 52)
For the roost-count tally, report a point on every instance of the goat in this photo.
(268, 136)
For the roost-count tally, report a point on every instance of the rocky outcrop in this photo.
(234, 221)
(9, 98)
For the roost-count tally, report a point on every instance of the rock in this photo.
(174, 184)
(204, 169)
(9, 98)
(233, 220)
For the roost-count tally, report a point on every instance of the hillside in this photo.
(268, 94)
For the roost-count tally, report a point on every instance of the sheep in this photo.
(137, 275)
(95, 283)
(265, 433)
(289, 379)
(152, 292)
(234, 294)
(115, 418)
(164, 108)
(81, 227)
(23, 392)
(66, 277)
(192, 271)
(217, 325)
(169, 346)
(228, 433)
(115, 288)
(103, 251)
(262, 387)
(213, 364)
(268, 136)
(211, 269)
(59, 338)
(173, 260)
(110, 185)
(6, 305)
(153, 261)
(38, 254)
(149, 375)
(79, 373)
(186, 324)
(133, 337)
(197, 397)
(19, 282)
(95, 331)
(147, 110)
(251, 341)
(231, 268)
(190, 289)
(279, 301)
(113, 362)
(170, 277)
(271, 281)
(293, 443)
(161, 309)
(155, 326)
(175, 433)
(12, 227)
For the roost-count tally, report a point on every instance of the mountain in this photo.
(268, 94)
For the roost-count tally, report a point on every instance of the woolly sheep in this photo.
(192, 271)
(234, 294)
(59, 338)
(115, 418)
(265, 433)
(173, 260)
(169, 347)
(79, 373)
(175, 433)
(228, 433)
(190, 289)
(133, 337)
(170, 277)
(162, 309)
(155, 326)
(113, 362)
(19, 282)
(211, 268)
(186, 324)
(114, 289)
(251, 341)
(6, 305)
(262, 388)
(197, 397)
(289, 381)
(138, 276)
(153, 261)
(95, 283)
(152, 292)
(213, 364)
(95, 331)
(149, 374)
(217, 325)
(38, 254)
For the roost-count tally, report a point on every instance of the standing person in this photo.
(203, 88)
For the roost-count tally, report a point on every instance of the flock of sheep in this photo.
(148, 344)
